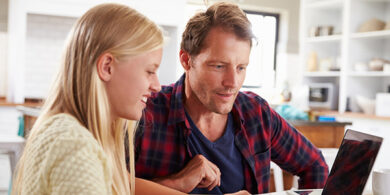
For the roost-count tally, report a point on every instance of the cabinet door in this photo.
(323, 136)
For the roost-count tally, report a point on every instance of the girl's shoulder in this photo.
(64, 126)
(61, 132)
(65, 153)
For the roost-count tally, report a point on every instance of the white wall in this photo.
(170, 59)
(3, 15)
(50, 46)
(3, 45)
(44, 45)
(291, 8)
(38, 31)
(3, 62)
(9, 122)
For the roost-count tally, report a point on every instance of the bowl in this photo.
(366, 104)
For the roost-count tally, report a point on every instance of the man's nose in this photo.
(230, 79)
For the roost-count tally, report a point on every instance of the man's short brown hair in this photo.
(225, 15)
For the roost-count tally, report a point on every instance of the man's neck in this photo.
(211, 124)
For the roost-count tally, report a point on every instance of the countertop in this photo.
(318, 123)
(350, 115)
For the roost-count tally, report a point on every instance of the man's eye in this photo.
(241, 68)
(218, 66)
(151, 72)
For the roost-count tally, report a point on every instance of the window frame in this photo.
(277, 17)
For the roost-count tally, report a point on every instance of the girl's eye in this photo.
(151, 72)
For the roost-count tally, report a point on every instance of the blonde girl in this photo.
(107, 73)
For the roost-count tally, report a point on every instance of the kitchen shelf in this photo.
(348, 46)
(322, 74)
(330, 5)
(28, 103)
(369, 74)
(322, 39)
(372, 35)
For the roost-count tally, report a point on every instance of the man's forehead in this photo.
(218, 32)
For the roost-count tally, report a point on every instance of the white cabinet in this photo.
(345, 48)
(38, 28)
(5, 169)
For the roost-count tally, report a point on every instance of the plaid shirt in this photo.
(261, 135)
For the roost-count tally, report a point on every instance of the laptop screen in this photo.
(353, 163)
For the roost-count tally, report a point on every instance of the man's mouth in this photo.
(144, 99)
(225, 94)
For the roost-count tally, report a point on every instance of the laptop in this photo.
(352, 165)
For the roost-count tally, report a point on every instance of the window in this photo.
(262, 62)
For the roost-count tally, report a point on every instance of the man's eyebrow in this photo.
(216, 61)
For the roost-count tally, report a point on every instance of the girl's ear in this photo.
(105, 66)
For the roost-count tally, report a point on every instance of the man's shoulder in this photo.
(163, 96)
(252, 106)
(248, 98)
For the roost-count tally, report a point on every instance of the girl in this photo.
(77, 143)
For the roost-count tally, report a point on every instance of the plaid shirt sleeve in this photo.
(271, 138)
(294, 153)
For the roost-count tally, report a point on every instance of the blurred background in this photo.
(324, 65)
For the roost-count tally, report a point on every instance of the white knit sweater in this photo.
(64, 158)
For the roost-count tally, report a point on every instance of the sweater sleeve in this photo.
(78, 166)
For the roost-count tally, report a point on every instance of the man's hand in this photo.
(199, 172)
(242, 192)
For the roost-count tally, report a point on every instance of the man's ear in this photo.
(185, 59)
(105, 65)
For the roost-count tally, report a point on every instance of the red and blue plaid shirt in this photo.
(261, 135)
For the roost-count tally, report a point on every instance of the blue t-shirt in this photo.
(223, 153)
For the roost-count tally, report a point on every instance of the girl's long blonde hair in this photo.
(78, 90)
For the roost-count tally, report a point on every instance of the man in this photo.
(201, 135)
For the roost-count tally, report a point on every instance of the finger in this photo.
(213, 178)
(192, 174)
(212, 186)
(219, 177)
(244, 192)
(203, 184)
(209, 177)
(217, 172)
